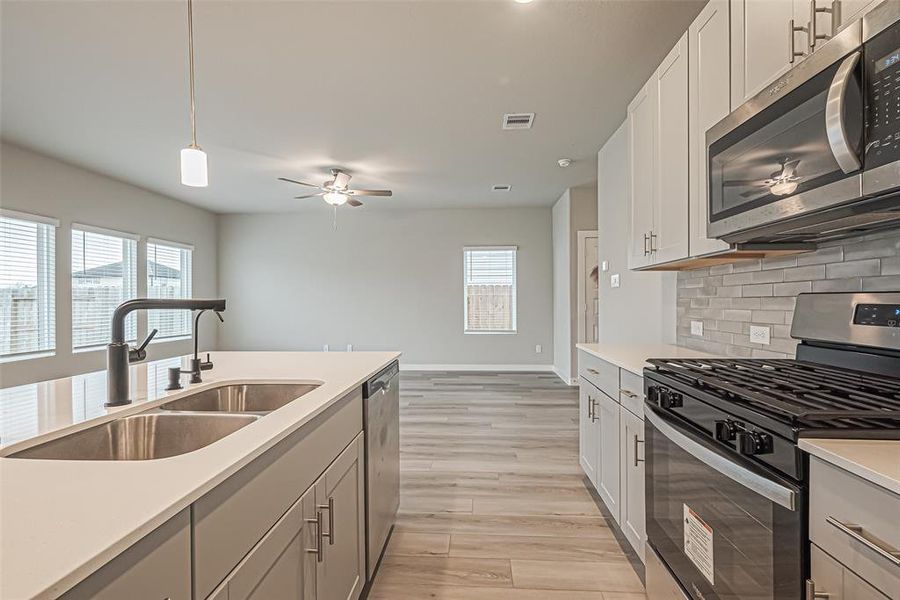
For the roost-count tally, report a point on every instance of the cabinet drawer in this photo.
(631, 392)
(838, 499)
(233, 517)
(599, 372)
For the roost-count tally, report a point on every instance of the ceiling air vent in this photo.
(518, 120)
(501, 188)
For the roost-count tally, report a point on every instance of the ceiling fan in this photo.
(336, 191)
(780, 183)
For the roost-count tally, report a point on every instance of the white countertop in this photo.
(633, 357)
(62, 520)
(877, 461)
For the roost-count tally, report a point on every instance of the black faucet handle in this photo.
(207, 364)
(140, 353)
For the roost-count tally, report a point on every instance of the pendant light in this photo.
(193, 159)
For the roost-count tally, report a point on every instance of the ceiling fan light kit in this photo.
(337, 192)
(194, 168)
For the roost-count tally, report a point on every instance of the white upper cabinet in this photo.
(641, 156)
(669, 235)
(761, 45)
(710, 96)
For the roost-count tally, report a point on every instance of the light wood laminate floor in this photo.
(493, 504)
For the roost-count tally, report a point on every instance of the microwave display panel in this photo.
(889, 60)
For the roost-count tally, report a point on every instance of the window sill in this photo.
(97, 348)
(171, 338)
(514, 332)
(27, 356)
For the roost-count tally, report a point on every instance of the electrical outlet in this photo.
(697, 328)
(760, 335)
(538, 349)
(614, 280)
(325, 348)
(604, 266)
(349, 347)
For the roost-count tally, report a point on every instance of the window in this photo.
(27, 285)
(104, 274)
(489, 275)
(169, 276)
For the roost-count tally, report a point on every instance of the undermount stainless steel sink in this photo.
(141, 437)
(238, 398)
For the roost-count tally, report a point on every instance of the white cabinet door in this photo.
(670, 199)
(850, 9)
(607, 411)
(633, 511)
(641, 155)
(588, 452)
(340, 493)
(710, 101)
(761, 45)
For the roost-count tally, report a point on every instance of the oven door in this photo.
(725, 527)
(792, 150)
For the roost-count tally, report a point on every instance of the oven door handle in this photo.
(763, 486)
(835, 128)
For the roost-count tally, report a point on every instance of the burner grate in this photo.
(805, 394)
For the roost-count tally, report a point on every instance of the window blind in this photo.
(27, 285)
(104, 274)
(169, 276)
(489, 275)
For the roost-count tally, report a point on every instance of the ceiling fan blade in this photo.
(743, 182)
(299, 182)
(369, 193)
(341, 180)
(353, 202)
(309, 196)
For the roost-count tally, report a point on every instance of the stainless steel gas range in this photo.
(726, 484)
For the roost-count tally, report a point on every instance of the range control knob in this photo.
(670, 399)
(751, 443)
(653, 394)
(727, 430)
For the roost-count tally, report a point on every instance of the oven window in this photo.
(722, 540)
(782, 151)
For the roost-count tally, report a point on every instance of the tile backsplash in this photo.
(728, 299)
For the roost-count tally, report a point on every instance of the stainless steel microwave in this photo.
(816, 155)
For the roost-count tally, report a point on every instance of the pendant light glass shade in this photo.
(193, 167)
(335, 198)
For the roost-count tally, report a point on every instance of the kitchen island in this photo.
(63, 520)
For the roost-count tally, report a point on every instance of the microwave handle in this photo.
(835, 128)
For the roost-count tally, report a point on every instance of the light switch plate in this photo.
(538, 349)
(614, 280)
(604, 265)
(697, 328)
(760, 335)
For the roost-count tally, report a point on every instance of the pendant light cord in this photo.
(191, 62)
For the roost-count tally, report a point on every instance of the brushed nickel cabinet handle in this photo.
(653, 248)
(813, 37)
(594, 416)
(858, 533)
(330, 508)
(320, 545)
(628, 393)
(792, 51)
(646, 239)
(812, 594)
(593, 371)
(636, 442)
(590, 407)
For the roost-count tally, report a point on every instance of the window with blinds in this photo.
(104, 274)
(169, 276)
(489, 281)
(27, 285)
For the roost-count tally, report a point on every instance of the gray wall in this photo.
(384, 280)
(642, 309)
(729, 298)
(34, 183)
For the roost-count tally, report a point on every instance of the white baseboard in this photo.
(566, 380)
(480, 367)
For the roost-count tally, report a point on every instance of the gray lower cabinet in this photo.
(831, 580)
(633, 512)
(340, 493)
(158, 567)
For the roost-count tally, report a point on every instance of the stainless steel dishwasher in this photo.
(381, 421)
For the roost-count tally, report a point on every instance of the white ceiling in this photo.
(406, 95)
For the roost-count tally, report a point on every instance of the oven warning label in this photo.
(698, 543)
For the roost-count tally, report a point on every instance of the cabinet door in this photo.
(632, 451)
(588, 452)
(340, 494)
(607, 411)
(710, 101)
(670, 198)
(850, 9)
(761, 45)
(825, 573)
(641, 155)
(282, 564)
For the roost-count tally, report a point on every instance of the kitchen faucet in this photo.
(118, 353)
(197, 365)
